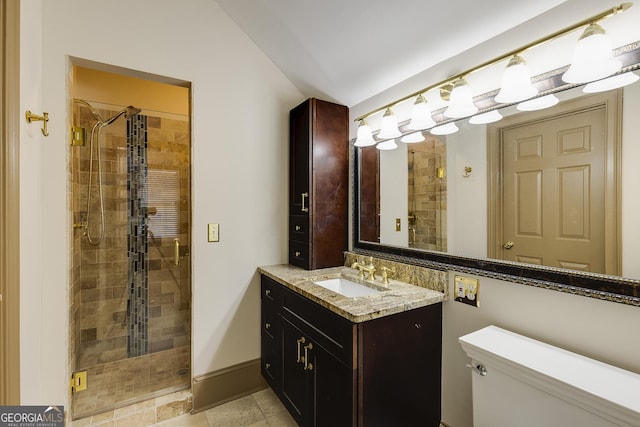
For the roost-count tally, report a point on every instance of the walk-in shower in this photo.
(427, 191)
(130, 273)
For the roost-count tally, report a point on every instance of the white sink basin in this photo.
(346, 287)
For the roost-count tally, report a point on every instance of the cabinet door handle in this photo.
(307, 366)
(304, 196)
(299, 341)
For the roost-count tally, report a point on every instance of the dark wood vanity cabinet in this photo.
(329, 371)
(318, 184)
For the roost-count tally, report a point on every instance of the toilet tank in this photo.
(521, 382)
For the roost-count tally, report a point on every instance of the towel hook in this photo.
(30, 117)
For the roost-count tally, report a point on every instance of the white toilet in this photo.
(521, 382)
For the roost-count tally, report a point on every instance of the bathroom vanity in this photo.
(346, 361)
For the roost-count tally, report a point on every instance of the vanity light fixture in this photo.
(516, 82)
(389, 126)
(421, 115)
(538, 103)
(460, 101)
(488, 117)
(592, 58)
(412, 138)
(614, 82)
(389, 144)
(364, 138)
(597, 64)
(446, 129)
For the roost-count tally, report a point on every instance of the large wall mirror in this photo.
(549, 196)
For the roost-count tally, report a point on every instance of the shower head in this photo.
(127, 111)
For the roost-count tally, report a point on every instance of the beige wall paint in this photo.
(240, 105)
(598, 329)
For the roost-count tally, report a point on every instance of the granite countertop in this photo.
(395, 298)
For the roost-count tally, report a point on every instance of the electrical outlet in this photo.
(212, 233)
(466, 290)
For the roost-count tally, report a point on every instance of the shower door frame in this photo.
(10, 213)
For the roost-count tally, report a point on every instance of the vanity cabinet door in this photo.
(319, 389)
(296, 382)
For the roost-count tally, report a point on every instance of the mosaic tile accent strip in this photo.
(137, 218)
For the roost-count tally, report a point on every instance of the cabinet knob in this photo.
(267, 292)
(297, 253)
(297, 228)
(267, 325)
(267, 365)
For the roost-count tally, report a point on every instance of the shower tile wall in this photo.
(99, 278)
(427, 195)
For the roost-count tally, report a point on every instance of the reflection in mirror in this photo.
(463, 194)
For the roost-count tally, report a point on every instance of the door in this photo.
(295, 381)
(556, 177)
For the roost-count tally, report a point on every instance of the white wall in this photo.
(394, 194)
(240, 107)
(599, 329)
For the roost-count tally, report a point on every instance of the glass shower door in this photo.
(131, 289)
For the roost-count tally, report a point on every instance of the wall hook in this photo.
(467, 172)
(30, 117)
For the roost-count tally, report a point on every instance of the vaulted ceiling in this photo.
(350, 50)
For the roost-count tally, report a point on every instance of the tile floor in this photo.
(260, 409)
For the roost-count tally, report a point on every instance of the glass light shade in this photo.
(389, 126)
(387, 145)
(611, 83)
(421, 115)
(592, 58)
(460, 101)
(488, 117)
(412, 138)
(364, 137)
(445, 129)
(538, 103)
(516, 82)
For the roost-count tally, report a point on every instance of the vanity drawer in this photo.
(299, 253)
(299, 228)
(270, 322)
(270, 292)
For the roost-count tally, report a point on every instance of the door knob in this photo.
(508, 245)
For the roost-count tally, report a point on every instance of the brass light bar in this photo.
(607, 13)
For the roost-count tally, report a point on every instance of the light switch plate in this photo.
(212, 233)
(466, 290)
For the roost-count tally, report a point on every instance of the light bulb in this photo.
(412, 138)
(516, 82)
(389, 126)
(460, 101)
(610, 83)
(364, 137)
(488, 117)
(592, 57)
(445, 129)
(421, 115)
(387, 145)
(538, 103)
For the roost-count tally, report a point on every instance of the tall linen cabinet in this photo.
(318, 184)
